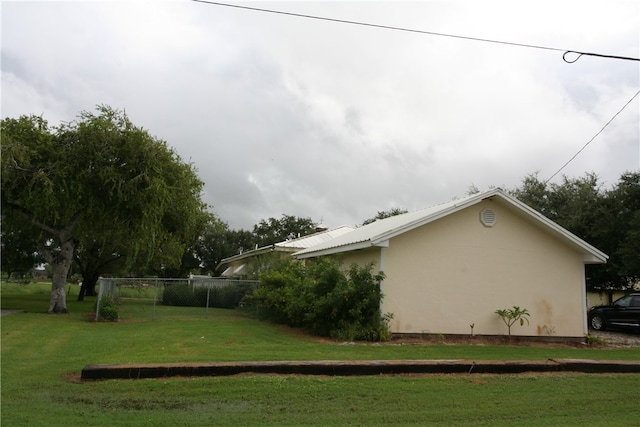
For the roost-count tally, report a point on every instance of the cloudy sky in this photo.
(285, 115)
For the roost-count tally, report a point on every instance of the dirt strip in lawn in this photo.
(346, 368)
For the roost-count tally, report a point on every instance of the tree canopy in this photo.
(99, 181)
(268, 232)
(217, 242)
(18, 249)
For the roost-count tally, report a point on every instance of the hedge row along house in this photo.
(448, 268)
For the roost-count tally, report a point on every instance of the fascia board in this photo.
(592, 259)
(252, 253)
(593, 255)
(334, 250)
(382, 244)
(238, 257)
(408, 227)
(382, 239)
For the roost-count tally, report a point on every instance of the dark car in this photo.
(623, 313)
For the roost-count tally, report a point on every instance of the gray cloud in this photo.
(335, 122)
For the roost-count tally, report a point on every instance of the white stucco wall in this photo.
(454, 272)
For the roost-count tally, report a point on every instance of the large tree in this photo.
(218, 242)
(18, 249)
(618, 234)
(89, 181)
(94, 258)
(173, 255)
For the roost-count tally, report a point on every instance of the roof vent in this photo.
(488, 217)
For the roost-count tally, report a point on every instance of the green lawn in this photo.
(42, 356)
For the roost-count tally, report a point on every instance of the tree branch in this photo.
(29, 216)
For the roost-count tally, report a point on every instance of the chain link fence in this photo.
(158, 298)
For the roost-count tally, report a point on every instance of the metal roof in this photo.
(291, 245)
(379, 232)
(316, 238)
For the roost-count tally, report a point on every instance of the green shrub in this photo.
(108, 310)
(594, 340)
(512, 315)
(323, 299)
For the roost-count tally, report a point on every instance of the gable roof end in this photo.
(379, 232)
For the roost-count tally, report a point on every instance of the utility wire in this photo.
(431, 33)
(565, 56)
(594, 137)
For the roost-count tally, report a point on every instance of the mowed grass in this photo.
(43, 355)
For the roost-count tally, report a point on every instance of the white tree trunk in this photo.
(58, 301)
(60, 264)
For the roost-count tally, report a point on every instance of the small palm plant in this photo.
(512, 315)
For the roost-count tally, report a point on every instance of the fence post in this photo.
(100, 290)
(206, 309)
(155, 298)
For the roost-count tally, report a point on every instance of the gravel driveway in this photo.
(622, 339)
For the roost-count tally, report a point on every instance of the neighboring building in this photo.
(247, 263)
(453, 265)
(595, 298)
(40, 274)
(606, 297)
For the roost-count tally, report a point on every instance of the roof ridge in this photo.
(379, 232)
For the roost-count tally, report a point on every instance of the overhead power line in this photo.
(570, 56)
(594, 137)
(565, 56)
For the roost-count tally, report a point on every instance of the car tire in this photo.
(597, 322)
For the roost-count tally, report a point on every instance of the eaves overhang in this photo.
(254, 252)
(333, 250)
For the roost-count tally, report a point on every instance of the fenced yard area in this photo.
(160, 298)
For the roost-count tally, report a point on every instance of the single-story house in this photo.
(247, 263)
(448, 268)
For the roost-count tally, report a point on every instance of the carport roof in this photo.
(291, 245)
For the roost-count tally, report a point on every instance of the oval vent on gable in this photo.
(488, 217)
